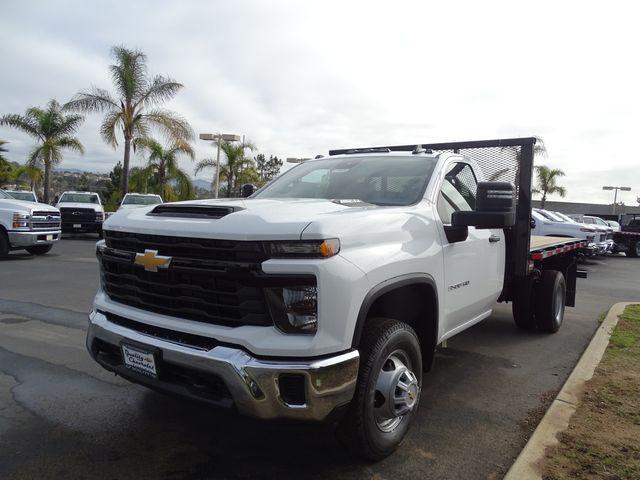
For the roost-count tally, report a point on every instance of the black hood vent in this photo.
(192, 211)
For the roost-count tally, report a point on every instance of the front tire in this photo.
(4, 245)
(634, 250)
(388, 389)
(39, 249)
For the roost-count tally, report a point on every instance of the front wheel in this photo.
(634, 250)
(387, 391)
(39, 249)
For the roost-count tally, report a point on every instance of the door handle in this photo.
(494, 238)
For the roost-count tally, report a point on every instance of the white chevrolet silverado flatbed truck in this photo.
(26, 225)
(323, 296)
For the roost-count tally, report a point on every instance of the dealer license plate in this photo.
(49, 237)
(139, 360)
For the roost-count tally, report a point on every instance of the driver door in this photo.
(473, 268)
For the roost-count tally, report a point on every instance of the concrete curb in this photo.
(527, 465)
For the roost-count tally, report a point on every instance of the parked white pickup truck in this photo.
(137, 200)
(551, 224)
(323, 296)
(82, 212)
(25, 225)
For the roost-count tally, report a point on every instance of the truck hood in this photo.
(253, 219)
(97, 208)
(28, 207)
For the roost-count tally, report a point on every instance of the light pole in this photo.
(615, 195)
(218, 137)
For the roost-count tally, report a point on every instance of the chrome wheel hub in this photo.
(559, 307)
(397, 392)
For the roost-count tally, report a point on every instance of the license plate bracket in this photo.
(141, 359)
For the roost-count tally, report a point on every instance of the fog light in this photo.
(294, 309)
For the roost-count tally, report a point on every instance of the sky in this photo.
(298, 78)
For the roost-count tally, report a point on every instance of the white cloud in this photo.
(299, 78)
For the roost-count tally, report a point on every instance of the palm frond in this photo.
(159, 90)
(109, 127)
(170, 124)
(94, 100)
(70, 143)
(26, 124)
(203, 164)
(129, 72)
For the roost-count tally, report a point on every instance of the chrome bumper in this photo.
(251, 382)
(30, 238)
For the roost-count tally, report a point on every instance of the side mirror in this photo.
(495, 207)
(247, 190)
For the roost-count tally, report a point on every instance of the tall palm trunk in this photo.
(125, 164)
(162, 178)
(47, 180)
(543, 200)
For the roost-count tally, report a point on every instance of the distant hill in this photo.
(203, 184)
(71, 170)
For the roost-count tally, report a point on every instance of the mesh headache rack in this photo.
(501, 160)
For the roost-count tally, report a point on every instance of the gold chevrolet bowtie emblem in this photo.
(151, 261)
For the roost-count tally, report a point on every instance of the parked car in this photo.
(605, 232)
(137, 200)
(323, 296)
(613, 224)
(549, 224)
(26, 195)
(81, 212)
(25, 225)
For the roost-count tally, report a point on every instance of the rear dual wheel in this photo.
(541, 304)
(387, 389)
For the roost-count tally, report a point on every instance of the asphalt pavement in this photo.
(63, 417)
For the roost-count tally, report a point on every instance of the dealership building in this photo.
(605, 211)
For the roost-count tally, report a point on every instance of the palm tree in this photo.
(237, 161)
(54, 132)
(32, 172)
(547, 185)
(136, 110)
(3, 149)
(162, 169)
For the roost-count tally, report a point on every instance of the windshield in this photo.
(4, 195)
(564, 217)
(376, 180)
(550, 216)
(28, 196)
(141, 200)
(80, 198)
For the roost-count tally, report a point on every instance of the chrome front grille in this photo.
(45, 220)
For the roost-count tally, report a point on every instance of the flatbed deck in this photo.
(544, 247)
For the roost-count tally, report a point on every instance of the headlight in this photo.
(303, 248)
(99, 216)
(20, 220)
(294, 309)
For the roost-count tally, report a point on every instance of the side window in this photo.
(458, 191)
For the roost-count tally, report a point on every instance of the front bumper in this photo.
(30, 238)
(253, 386)
(82, 226)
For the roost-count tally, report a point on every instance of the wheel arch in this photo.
(412, 298)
